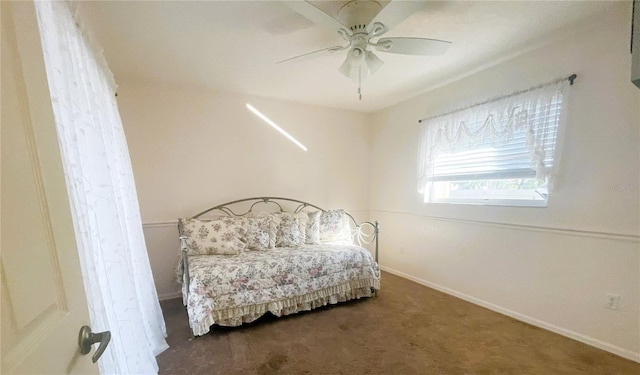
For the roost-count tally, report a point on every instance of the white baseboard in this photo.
(172, 295)
(525, 318)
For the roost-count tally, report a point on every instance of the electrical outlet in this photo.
(612, 302)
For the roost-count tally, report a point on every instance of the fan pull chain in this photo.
(360, 83)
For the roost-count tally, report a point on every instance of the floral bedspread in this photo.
(235, 289)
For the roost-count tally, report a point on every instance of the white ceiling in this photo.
(234, 46)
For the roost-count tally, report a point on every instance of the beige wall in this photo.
(551, 266)
(548, 266)
(194, 149)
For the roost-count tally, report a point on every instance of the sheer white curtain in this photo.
(115, 265)
(521, 130)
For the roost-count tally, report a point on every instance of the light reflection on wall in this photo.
(275, 126)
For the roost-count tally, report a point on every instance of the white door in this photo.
(43, 300)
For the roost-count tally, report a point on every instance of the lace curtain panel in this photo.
(117, 276)
(515, 136)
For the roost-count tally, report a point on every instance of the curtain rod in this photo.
(571, 78)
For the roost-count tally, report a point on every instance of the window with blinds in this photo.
(502, 152)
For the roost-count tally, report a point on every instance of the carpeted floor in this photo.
(407, 329)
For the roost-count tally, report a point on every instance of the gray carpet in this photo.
(407, 329)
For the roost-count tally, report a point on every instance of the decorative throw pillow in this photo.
(289, 232)
(219, 236)
(274, 222)
(313, 228)
(303, 218)
(333, 226)
(346, 228)
(258, 233)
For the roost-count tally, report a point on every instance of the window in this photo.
(501, 152)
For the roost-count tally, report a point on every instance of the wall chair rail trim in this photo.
(524, 227)
(168, 223)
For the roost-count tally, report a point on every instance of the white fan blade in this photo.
(413, 46)
(314, 14)
(314, 54)
(396, 11)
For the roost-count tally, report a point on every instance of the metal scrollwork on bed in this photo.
(364, 233)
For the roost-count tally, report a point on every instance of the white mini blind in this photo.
(513, 137)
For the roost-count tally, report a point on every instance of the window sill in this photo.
(494, 202)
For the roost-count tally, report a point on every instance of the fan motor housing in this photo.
(357, 14)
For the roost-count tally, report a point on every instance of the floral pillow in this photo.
(257, 237)
(289, 233)
(334, 226)
(313, 228)
(274, 222)
(220, 236)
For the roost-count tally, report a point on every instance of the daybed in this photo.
(278, 255)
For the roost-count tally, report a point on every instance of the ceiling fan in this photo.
(361, 23)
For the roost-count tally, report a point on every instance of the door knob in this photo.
(88, 338)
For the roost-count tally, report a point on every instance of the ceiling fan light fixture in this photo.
(355, 72)
(361, 24)
(346, 69)
(356, 56)
(351, 66)
(373, 62)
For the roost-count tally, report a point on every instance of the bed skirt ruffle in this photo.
(235, 316)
